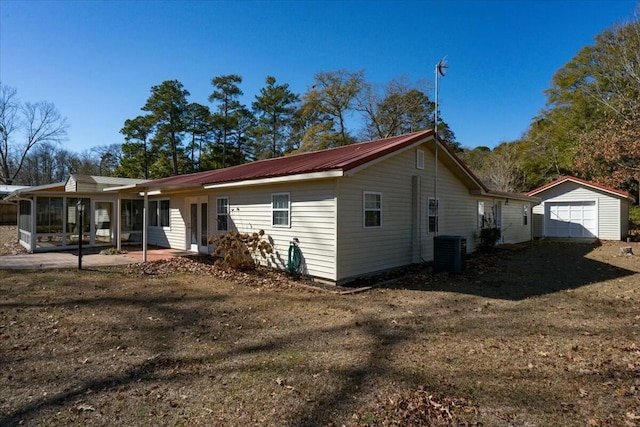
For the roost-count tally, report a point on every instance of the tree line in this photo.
(175, 136)
(590, 126)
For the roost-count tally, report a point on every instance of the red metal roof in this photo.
(563, 179)
(341, 158)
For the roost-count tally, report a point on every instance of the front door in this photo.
(198, 224)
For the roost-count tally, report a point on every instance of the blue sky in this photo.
(97, 60)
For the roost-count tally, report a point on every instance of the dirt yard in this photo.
(546, 334)
(9, 240)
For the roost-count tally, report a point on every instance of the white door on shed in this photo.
(571, 219)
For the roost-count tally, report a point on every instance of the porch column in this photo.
(32, 237)
(119, 222)
(145, 210)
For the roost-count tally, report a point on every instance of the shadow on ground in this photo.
(519, 272)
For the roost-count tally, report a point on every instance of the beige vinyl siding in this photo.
(74, 186)
(70, 186)
(513, 228)
(458, 210)
(608, 207)
(608, 218)
(312, 222)
(365, 250)
(173, 236)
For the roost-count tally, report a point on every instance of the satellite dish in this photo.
(441, 66)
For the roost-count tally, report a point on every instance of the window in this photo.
(525, 214)
(131, 220)
(433, 215)
(159, 213)
(153, 213)
(131, 215)
(481, 215)
(222, 213)
(49, 215)
(204, 224)
(372, 204)
(420, 159)
(280, 210)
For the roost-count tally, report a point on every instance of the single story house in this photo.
(8, 211)
(574, 208)
(48, 215)
(353, 210)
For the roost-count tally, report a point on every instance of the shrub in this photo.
(489, 236)
(112, 251)
(240, 251)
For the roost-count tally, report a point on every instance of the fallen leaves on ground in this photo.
(421, 408)
(205, 266)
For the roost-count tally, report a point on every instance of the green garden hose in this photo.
(295, 259)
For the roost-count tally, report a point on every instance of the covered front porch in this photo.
(61, 216)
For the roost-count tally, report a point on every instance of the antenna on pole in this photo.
(440, 71)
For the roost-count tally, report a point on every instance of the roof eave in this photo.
(336, 173)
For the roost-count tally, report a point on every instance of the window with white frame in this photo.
(372, 208)
(420, 159)
(432, 211)
(525, 214)
(222, 213)
(482, 219)
(280, 210)
(159, 213)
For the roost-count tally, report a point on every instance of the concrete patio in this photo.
(90, 259)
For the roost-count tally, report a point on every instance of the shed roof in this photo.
(591, 184)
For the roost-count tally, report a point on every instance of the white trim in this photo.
(288, 210)
(278, 179)
(364, 209)
(121, 187)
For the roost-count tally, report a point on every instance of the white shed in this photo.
(574, 208)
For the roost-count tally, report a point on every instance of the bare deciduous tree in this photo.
(24, 126)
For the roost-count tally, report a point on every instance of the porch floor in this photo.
(90, 258)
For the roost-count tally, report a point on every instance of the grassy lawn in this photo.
(542, 336)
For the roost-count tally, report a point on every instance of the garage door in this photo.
(571, 219)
